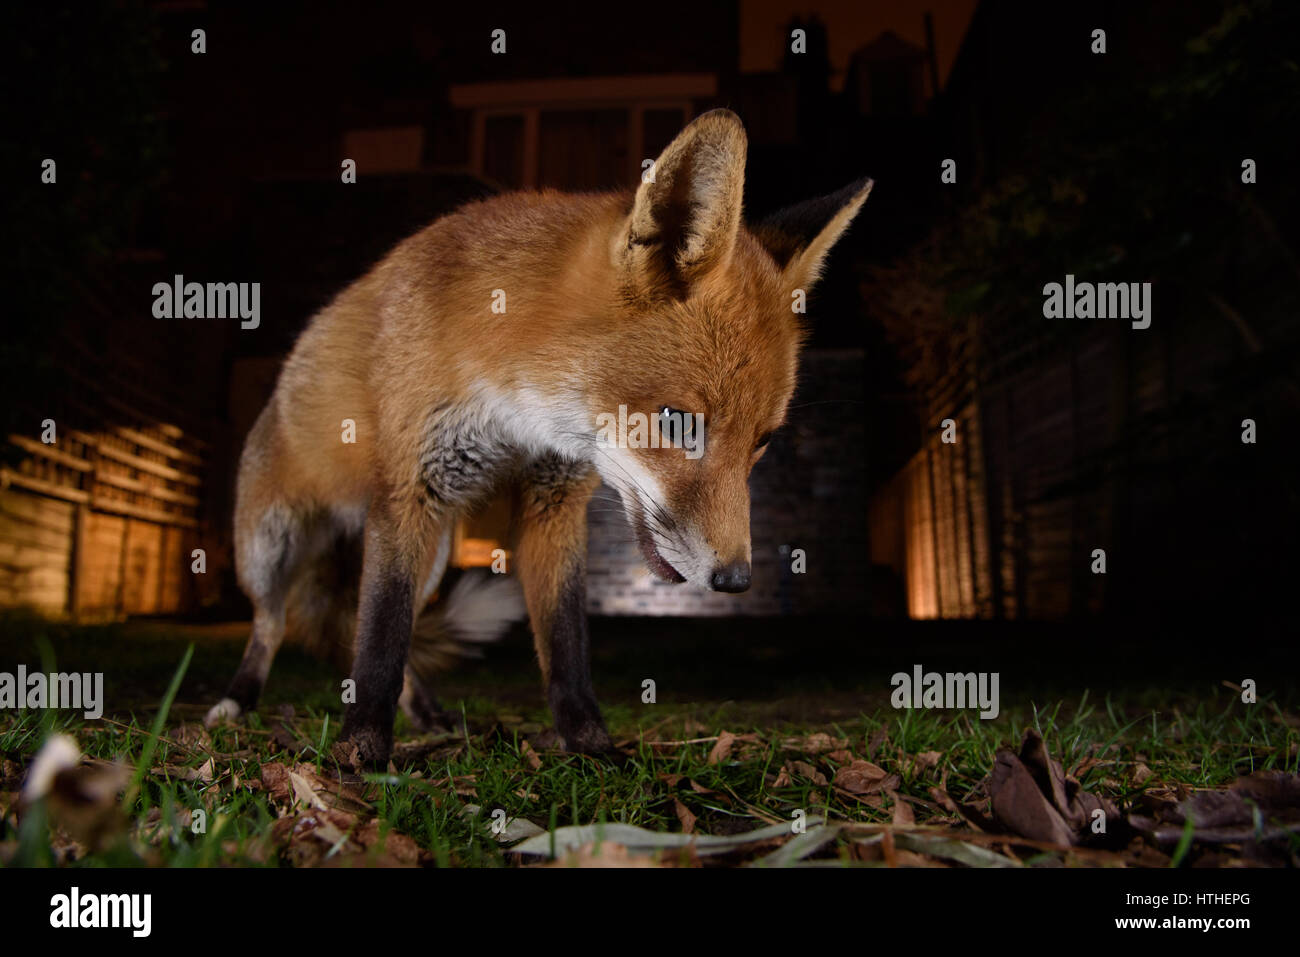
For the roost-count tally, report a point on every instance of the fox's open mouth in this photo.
(657, 564)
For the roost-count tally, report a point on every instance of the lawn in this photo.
(769, 743)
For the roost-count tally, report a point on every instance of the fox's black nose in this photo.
(733, 577)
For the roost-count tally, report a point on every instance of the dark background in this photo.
(1117, 167)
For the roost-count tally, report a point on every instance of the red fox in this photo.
(485, 350)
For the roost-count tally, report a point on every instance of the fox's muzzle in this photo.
(730, 578)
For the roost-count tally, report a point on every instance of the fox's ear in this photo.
(684, 223)
(800, 236)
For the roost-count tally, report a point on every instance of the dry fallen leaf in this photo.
(927, 759)
(303, 791)
(861, 777)
(334, 838)
(1031, 796)
(903, 816)
(806, 770)
(684, 815)
(722, 748)
(878, 737)
(530, 756)
(1257, 809)
(304, 784)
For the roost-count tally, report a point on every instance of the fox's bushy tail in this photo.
(480, 609)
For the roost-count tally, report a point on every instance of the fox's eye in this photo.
(762, 441)
(678, 427)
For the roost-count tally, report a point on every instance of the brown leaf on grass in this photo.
(878, 737)
(1258, 808)
(1272, 790)
(204, 773)
(684, 815)
(861, 777)
(927, 759)
(307, 838)
(699, 788)
(395, 849)
(530, 756)
(303, 784)
(903, 816)
(965, 812)
(944, 800)
(804, 769)
(193, 735)
(275, 780)
(1031, 796)
(303, 791)
(331, 837)
(721, 748)
(1141, 774)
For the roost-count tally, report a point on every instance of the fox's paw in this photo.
(363, 750)
(588, 739)
(227, 709)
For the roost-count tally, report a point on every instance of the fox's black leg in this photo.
(384, 620)
(553, 568)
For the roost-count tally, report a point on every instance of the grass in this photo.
(1128, 744)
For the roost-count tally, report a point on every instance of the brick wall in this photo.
(808, 492)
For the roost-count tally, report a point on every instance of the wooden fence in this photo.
(1004, 522)
(101, 522)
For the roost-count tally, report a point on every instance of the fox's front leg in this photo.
(396, 552)
(552, 555)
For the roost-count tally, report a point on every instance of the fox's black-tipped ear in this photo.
(685, 219)
(799, 237)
